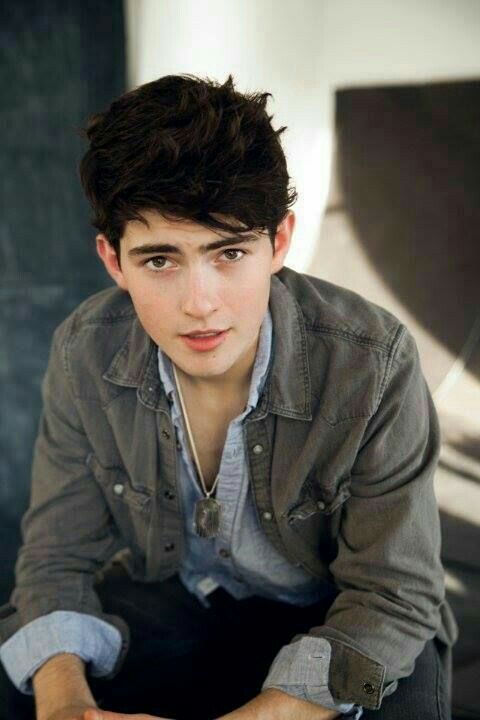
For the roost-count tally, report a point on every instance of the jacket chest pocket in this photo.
(315, 500)
(316, 515)
(130, 506)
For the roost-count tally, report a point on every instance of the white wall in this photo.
(301, 51)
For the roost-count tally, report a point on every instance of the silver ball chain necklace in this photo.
(207, 510)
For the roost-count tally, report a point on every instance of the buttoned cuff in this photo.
(301, 669)
(93, 640)
(356, 675)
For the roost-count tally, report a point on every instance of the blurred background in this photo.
(382, 104)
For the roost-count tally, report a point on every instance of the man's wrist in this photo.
(59, 683)
(280, 705)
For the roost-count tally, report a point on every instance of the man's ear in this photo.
(110, 260)
(283, 239)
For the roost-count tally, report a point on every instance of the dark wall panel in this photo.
(60, 60)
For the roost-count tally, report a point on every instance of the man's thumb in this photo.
(92, 714)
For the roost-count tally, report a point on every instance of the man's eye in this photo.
(234, 250)
(156, 263)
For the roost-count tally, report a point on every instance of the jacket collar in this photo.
(287, 389)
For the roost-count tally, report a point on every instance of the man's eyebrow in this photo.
(174, 250)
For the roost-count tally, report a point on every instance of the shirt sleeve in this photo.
(301, 669)
(94, 640)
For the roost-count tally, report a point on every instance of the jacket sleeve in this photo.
(95, 641)
(68, 532)
(388, 567)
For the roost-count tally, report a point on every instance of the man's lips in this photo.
(204, 342)
(195, 333)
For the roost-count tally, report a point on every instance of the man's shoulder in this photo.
(337, 311)
(352, 345)
(90, 337)
(108, 307)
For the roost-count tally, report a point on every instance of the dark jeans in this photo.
(192, 663)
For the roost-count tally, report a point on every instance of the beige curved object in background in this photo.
(401, 228)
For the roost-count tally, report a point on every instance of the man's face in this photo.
(189, 287)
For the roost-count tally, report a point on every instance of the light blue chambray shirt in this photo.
(248, 565)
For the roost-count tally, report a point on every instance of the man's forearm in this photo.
(281, 704)
(273, 704)
(59, 683)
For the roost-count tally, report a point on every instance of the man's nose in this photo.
(199, 297)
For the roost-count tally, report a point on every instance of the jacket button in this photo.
(368, 688)
(267, 515)
(321, 505)
(224, 553)
(118, 488)
(169, 495)
(166, 434)
(257, 449)
(179, 447)
(168, 547)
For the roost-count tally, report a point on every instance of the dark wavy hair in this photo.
(185, 147)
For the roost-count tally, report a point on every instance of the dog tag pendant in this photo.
(207, 517)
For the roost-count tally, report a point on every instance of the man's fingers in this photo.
(107, 715)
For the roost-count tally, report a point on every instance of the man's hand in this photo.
(75, 711)
(107, 715)
(273, 704)
(270, 704)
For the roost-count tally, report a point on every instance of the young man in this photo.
(232, 510)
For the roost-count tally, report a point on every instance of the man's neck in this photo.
(216, 389)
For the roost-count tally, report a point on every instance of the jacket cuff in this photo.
(354, 675)
(302, 669)
(93, 640)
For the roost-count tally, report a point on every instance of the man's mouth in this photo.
(203, 333)
(205, 341)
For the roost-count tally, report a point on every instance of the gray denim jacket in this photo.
(342, 451)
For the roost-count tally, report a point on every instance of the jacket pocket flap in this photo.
(118, 484)
(318, 502)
